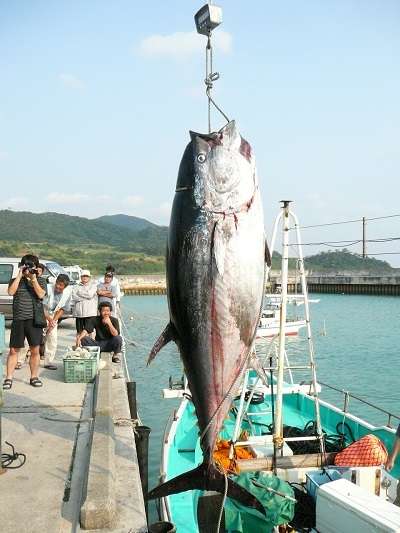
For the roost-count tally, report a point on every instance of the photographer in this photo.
(28, 291)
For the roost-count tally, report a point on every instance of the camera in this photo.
(30, 267)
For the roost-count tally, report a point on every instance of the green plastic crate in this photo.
(80, 370)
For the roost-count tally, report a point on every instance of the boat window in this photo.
(5, 273)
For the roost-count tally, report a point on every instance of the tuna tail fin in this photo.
(169, 334)
(206, 477)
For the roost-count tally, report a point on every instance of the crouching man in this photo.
(107, 333)
(56, 303)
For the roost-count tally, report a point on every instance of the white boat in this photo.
(294, 435)
(269, 324)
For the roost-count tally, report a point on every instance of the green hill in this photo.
(133, 244)
(54, 228)
(344, 260)
(127, 221)
(338, 261)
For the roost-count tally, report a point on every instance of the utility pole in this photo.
(364, 244)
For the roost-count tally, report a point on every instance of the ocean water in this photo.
(360, 353)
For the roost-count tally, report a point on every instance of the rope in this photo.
(222, 503)
(211, 77)
(7, 459)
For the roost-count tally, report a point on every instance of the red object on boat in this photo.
(368, 451)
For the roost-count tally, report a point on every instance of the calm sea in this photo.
(359, 353)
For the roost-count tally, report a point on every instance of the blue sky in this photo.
(96, 100)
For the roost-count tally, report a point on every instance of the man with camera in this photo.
(28, 292)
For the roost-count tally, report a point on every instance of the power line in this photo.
(347, 242)
(347, 222)
(380, 218)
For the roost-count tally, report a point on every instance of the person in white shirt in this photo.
(107, 292)
(84, 298)
(56, 303)
(115, 283)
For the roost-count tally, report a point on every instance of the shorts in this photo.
(86, 322)
(21, 329)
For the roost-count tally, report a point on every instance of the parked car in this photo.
(9, 269)
(74, 273)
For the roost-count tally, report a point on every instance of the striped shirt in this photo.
(24, 297)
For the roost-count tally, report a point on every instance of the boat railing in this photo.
(347, 395)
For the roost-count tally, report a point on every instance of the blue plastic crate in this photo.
(316, 478)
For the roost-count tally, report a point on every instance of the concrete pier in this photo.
(81, 470)
(346, 283)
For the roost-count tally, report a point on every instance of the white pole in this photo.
(309, 334)
(278, 431)
(239, 415)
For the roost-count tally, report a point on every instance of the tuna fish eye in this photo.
(201, 158)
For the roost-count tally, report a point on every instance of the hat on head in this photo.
(85, 273)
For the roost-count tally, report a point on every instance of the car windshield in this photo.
(55, 268)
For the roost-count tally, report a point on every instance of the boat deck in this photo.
(53, 426)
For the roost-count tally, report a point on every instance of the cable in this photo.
(330, 224)
(8, 458)
(348, 221)
(222, 503)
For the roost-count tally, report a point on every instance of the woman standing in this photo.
(84, 299)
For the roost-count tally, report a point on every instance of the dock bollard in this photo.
(131, 390)
(142, 449)
(162, 527)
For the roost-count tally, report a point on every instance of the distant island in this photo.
(134, 245)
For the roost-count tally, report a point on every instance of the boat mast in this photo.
(278, 426)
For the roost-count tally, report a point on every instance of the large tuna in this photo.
(215, 281)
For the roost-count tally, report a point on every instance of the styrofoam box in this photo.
(343, 507)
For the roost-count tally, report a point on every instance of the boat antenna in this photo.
(207, 19)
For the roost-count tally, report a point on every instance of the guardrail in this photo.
(346, 400)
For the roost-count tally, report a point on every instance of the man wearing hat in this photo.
(84, 298)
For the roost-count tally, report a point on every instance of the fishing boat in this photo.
(269, 324)
(281, 441)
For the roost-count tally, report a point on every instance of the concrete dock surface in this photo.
(81, 470)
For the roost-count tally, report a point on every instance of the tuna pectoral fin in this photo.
(169, 334)
(205, 477)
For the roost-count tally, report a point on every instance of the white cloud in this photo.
(71, 81)
(134, 201)
(3, 155)
(16, 203)
(64, 198)
(182, 45)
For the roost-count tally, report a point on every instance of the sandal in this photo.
(35, 382)
(18, 366)
(7, 384)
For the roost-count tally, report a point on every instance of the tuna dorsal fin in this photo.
(267, 254)
(169, 334)
(206, 477)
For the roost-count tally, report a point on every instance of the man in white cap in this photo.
(84, 298)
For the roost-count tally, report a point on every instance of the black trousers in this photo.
(113, 344)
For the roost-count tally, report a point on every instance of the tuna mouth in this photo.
(215, 138)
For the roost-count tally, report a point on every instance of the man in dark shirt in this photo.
(107, 333)
(27, 291)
